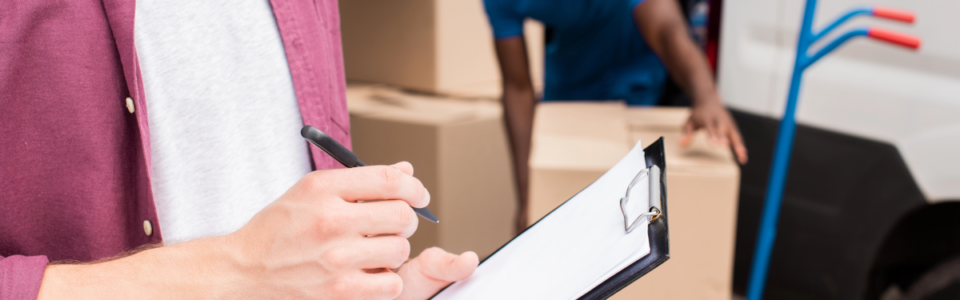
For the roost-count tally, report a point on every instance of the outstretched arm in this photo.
(518, 107)
(319, 240)
(662, 25)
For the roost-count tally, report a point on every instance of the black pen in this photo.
(348, 159)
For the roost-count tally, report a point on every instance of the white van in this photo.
(871, 205)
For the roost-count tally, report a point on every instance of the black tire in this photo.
(942, 281)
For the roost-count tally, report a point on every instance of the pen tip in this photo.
(427, 214)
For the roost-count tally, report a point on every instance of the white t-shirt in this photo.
(223, 115)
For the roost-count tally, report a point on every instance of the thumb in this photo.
(434, 269)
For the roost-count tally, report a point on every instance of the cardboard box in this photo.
(459, 151)
(440, 47)
(574, 143)
(702, 186)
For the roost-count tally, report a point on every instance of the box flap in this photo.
(373, 101)
(657, 118)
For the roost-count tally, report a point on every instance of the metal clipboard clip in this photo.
(653, 172)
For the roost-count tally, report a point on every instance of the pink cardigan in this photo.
(74, 162)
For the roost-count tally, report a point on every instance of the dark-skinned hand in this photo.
(721, 130)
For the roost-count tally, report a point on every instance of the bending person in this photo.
(603, 50)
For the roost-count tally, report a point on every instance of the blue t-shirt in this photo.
(596, 51)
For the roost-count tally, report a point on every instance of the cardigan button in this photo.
(147, 227)
(130, 106)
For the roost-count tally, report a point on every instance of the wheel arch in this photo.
(921, 238)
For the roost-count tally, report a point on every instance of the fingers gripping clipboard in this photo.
(590, 247)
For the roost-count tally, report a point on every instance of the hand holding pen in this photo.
(347, 158)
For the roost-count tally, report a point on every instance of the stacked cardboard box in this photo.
(434, 46)
(459, 151)
(575, 143)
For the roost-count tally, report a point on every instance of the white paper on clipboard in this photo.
(570, 251)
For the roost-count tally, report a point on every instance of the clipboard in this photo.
(657, 229)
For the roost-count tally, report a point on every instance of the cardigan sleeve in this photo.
(20, 276)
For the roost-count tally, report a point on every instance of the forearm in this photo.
(191, 270)
(325, 238)
(687, 65)
(519, 104)
(662, 25)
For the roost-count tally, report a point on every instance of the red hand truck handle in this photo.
(894, 37)
(893, 14)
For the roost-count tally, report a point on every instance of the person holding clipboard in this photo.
(150, 149)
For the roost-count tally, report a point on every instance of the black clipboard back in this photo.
(656, 231)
